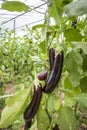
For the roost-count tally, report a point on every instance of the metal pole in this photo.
(14, 27)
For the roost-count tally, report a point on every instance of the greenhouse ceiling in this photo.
(18, 20)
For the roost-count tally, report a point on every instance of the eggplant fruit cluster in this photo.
(56, 65)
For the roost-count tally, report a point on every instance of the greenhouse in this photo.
(43, 64)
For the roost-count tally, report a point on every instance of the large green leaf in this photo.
(53, 103)
(14, 6)
(14, 108)
(76, 8)
(73, 63)
(80, 45)
(59, 7)
(56, 9)
(82, 99)
(68, 86)
(72, 34)
(69, 89)
(67, 119)
(43, 120)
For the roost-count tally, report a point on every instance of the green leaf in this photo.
(67, 119)
(53, 103)
(80, 45)
(72, 34)
(14, 6)
(69, 89)
(43, 100)
(68, 86)
(82, 99)
(73, 63)
(83, 85)
(39, 26)
(42, 45)
(14, 108)
(76, 8)
(43, 119)
(69, 102)
(59, 6)
(64, 2)
(56, 9)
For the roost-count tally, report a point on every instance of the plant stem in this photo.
(58, 17)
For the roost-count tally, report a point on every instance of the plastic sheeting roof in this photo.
(18, 20)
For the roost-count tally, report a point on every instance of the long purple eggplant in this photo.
(29, 109)
(51, 57)
(34, 105)
(55, 74)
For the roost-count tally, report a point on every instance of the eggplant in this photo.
(27, 125)
(55, 74)
(56, 127)
(34, 105)
(43, 75)
(51, 57)
(29, 109)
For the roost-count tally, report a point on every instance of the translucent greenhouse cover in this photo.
(16, 20)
